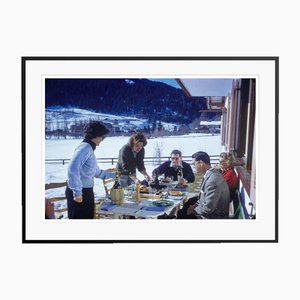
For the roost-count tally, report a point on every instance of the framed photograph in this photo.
(188, 115)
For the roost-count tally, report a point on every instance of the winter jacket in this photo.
(214, 197)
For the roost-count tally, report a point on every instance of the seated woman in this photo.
(226, 169)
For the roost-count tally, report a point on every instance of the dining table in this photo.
(163, 200)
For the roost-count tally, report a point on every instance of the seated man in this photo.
(171, 167)
(214, 197)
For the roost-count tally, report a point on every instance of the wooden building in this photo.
(235, 99)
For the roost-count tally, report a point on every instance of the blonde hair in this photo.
(227, 157)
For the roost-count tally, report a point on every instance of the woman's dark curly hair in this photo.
(95, 129)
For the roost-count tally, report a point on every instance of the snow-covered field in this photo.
(63, 149)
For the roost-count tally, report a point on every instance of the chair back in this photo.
(51, 210)
(108, 185)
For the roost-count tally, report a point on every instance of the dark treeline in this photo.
(63, 129)
(141, 98)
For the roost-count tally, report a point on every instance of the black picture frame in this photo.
(33, 68)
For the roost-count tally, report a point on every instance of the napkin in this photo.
(180, 189)
(107, 206)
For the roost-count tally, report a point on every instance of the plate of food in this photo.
(167, 180)
(163, 203)
(175, 193)
(151, 196)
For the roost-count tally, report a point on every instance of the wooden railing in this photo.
(147, 160)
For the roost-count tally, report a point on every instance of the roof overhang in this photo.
(205, 87)
(215, 90)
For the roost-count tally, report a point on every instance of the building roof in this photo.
(206, 87)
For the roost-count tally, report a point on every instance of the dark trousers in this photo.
(83, 210)
(182, 213)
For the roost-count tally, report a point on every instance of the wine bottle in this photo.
(156, 181)
(117, 182)
(138, 195)
(180, 175)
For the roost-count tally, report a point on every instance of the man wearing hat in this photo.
(214, 197)
(82, 169)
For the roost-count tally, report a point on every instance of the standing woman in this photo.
(131, 157)
(82, 169)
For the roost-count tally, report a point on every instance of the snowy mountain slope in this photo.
(57, 117)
